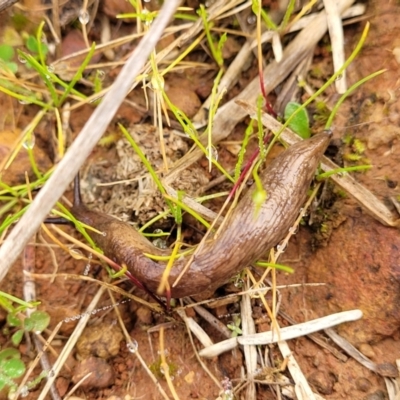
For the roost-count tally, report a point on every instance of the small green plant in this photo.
(37, 48)
(37, 322)
(234, 326)
(356, 150)
(11, 365)
(11, 368)
(6, 55)
(322, 112)
(300, 122)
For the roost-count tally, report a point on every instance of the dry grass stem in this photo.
(196, 329)
(153, 306)
(387, 370)
(318, 339)
(337, 42)
(69, 346)
(164, 367)
(183, 315)
(77, 386)
(231, 113)
(301, 388)
(83, 145)
(207, 316)
(39, 355)
(287, 333)
(250, 352)
(29, 290)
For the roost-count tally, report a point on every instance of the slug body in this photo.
(247, 235)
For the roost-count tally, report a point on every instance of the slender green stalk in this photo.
(78, 75)
(326, 84)
(335, 171)
(281, 267)
(347, 93)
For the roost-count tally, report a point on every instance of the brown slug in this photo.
(246, 237)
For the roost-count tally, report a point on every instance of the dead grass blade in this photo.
(69, 346)
(84, 143)
(232, 113)
(289, 332)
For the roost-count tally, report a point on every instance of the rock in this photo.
(102, 375)
(322, 381)
(184, 98)
(363, 384)
(114, 7)
(379, 137)
(367, 350)
(62, 385)
(101, 341)
(144, 316)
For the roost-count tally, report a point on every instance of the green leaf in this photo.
(37, 322)
(13, 320)
(17, 337)
(6, 303)
(6, 52)
(8, 354)
(32, 44)
(299, 123)
(12, 66)
(14, 368)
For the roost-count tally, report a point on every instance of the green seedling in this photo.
(6, 56)
(37, 48)
(7, 302)
(234, 326)
(322, 112)
(238, 167)
(37, 322)
(11, 368)
(11, 365)
(216, 49)
(288, 14)
(300, 122)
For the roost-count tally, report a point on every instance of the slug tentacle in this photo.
(247, 235)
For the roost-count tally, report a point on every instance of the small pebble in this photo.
(62, 385)
(363, 384)
(101, 340)
(367, 350)
(190, 313)
(322, 381)
(102, 375)
(144, 316)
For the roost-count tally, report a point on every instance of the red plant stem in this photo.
(247, 167)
